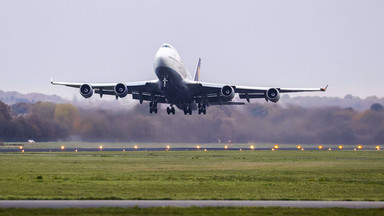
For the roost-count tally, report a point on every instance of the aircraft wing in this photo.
(143, 91)
(249, 89)
(212, 92)
(94, 85)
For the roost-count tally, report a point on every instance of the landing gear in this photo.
(171, 110)
(188, 110)
(202, 108)
(202, 111)
(152, 107)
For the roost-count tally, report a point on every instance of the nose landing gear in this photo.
(171, 110)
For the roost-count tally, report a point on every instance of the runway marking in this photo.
(185, 203)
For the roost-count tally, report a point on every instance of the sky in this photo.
(257, 43)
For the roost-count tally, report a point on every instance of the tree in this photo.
(5, 112)
(65, 115)
(377, 107)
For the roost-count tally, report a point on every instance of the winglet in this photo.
(51, 80)
(324, 89)
(197, 73)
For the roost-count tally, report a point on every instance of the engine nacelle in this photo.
(86, 90)
(228, 93)
(121, 90)
(273, 95)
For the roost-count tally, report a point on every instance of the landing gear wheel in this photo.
(188, 110)
(170, 110)
(152, 107)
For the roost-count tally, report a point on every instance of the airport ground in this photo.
(196, 175)
(228, 175)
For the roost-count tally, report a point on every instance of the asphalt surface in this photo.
(119, 149)
(184, 203)
(144, 149)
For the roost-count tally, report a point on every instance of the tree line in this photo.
(256, 122)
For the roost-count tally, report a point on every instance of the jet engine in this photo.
(273, 95)
(86, 91)
(121, 90)
(228, 92)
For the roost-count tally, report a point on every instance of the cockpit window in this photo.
(165, 45)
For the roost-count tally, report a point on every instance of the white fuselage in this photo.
(168, 57)
(173, 76)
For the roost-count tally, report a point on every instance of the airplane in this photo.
(175, 86)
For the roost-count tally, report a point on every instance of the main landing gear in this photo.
(202, 109)
(152, 107)
(188, 110)
(171, 110)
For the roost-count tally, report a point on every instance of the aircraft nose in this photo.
(161, 59)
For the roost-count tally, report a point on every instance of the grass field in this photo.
(243, 175)
(194, 211)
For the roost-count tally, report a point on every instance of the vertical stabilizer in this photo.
(197, 73)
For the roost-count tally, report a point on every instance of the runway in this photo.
(123, 149)
(185, 203)
(147, 149)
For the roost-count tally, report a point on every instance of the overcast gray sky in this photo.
(259, 43)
